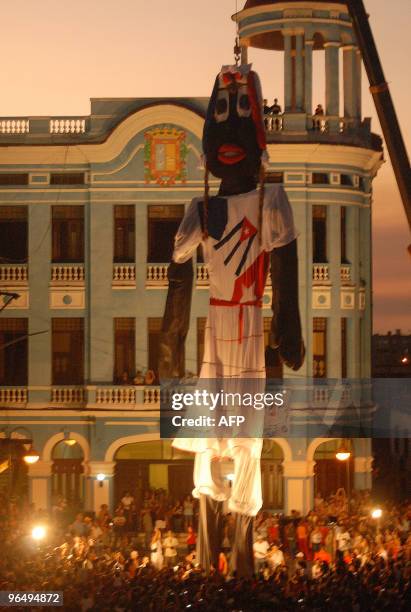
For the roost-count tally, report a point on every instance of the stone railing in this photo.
(345, 274)
(116, 395)
(14, 126)
(66, 274)
(152, 395)
(16, 274)
(124, 275)
(157, 275)
(273, 123)
(323, 123)
(320, 397)
(321, 272)
(67, 125)
(68, 395)
(202, 278)
(13, 395)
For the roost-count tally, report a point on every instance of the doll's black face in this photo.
(230, 136)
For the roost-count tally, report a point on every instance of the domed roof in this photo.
(254, 3)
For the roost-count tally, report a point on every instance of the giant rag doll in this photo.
(243, 230)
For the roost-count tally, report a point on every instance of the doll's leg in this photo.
(210, 528)
(242, 556)
(245, 501)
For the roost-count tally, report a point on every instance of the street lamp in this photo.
(101, 478)
(31, 456)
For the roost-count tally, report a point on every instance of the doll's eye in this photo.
(243, 103)
(222, 106)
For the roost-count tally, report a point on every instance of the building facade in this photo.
(88, 210)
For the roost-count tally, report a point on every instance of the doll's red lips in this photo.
(230, 154)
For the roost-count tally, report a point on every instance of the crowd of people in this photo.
(337, 557)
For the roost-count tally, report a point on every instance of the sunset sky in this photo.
(58, 54)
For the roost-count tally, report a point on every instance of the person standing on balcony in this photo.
(276, 111)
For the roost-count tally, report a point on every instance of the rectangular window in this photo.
(67, 178)
(320, 178)
(163, 223)
(67, 351)
(319, 234)
(13, 234)
(13, 352)
(273, 364)
(68, 234)
(124, 234)
(201, 324)
(320, 347)
(343, 233)
(14, 179)
(274, 177)
(344, 347)
(346, 179)
(124, 350)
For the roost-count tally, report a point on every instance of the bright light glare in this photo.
(31, 456)
(377, 513)
(230, 477)
(101, 477)
(70, 442)
(343, 456)
(38, 533)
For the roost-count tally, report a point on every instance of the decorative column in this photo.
(363, 473)
(334, 323)
(40, 484)
(244, 55)
(358, 89)
(299, 72)
(308, 78)
(100, 492)
(350, 73)
(332, 84)
(288, 72)
(298, 486)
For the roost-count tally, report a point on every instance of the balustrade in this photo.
(68, 395)
(69, 125)
(321, 272)
(13, 273)
(157, 274)
(116, 395)
(345, 274)
(14, 126)
(13, 395)
(67, 273)
(152, 395)
(124, 274)
(202, 275)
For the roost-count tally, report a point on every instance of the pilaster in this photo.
(332, 84)
(100, 492)
(298, 485)
(288, 72)
(308, 78)
(40, 484)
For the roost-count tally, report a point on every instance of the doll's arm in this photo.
(286, 324)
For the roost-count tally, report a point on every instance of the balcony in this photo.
(14, 126)
(13, 274)
(67, 274)
(68, 125)
(124, 276)
(117, 396)
(15, 397)
(156, 275)
(68, 396)
(345, 274)
(321, 273)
